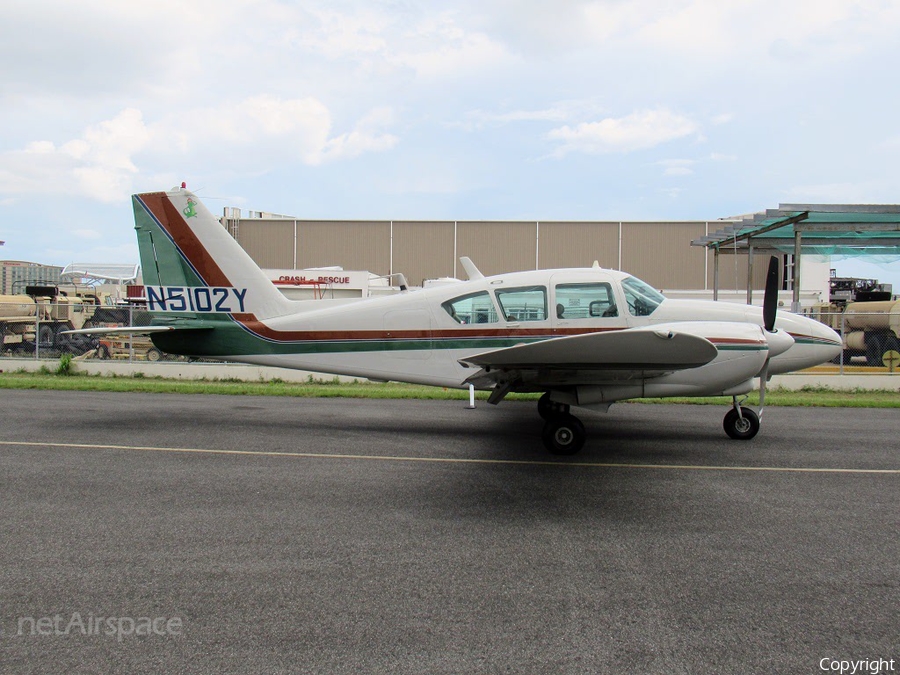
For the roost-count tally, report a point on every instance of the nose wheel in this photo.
(741, 423)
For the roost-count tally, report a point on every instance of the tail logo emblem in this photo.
(190, 212)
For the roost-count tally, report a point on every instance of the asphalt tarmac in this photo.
(149, 533)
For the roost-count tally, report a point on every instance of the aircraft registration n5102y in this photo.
(584, 337)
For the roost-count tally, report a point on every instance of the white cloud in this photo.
(818, 29)
(259, 133)
(99, 164)
(677, 167)
(366, 137)
(560, 111)
(637, 131)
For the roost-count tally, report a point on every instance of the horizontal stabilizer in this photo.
(633, 349)
(129, 330)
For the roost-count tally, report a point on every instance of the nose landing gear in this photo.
(741, 423)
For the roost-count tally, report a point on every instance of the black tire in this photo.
(890, 355)
(103, 352)
(741, 427)
(564, 435)
(153, 354)
(548, 409)
(874, 352)
(46, 336)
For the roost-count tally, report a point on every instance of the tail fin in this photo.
(191, 265)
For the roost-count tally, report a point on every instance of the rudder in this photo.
(192, 265)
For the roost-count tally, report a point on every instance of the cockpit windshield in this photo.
(642, 298)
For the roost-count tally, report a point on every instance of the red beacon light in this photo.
(183, 185)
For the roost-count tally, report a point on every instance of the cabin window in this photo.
(642, 298)
(585, 301)
(472, 308)
(523, 304)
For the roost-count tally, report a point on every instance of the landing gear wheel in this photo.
(563, 435)
(741, 427)
(548, 409)
(153, 354)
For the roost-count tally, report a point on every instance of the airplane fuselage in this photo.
(421, 336)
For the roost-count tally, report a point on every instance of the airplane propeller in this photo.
(770, 299)
(779, 341)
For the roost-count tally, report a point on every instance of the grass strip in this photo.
(314, 388)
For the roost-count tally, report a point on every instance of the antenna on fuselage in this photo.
(470, 268)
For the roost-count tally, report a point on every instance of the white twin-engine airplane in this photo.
(585, 337)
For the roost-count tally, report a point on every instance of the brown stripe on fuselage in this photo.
(173, 222)
(264, 331)
(736, 341)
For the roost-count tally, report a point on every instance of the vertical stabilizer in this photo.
(191, 265)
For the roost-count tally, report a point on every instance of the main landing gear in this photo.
(563, 433)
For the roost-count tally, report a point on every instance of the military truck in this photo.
(868, 319)
(35, 320)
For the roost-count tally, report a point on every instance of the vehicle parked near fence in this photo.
(870, 330)
(34, 321)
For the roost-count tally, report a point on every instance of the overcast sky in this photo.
(487, 109)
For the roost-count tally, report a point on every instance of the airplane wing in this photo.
(625, 354)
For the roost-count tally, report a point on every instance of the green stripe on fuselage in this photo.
(231, 339)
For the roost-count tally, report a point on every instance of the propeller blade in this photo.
(770, 300)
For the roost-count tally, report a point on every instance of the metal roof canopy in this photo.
(864, 229)
(103, 272)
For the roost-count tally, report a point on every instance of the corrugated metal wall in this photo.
(423, 250)
(658, 252)
(661, 253)
(497, 246)
(354, 245)
(269, 242)
(571, 244)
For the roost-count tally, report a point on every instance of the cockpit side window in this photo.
(472, 308)
(585, 301)
(528, 303)
(642, 298)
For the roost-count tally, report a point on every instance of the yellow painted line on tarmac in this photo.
(448, 460)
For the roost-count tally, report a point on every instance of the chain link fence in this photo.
(34, 329)
(871, 340)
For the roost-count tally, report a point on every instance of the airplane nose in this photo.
(829, 338)
(820, 344)
(814, 344)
